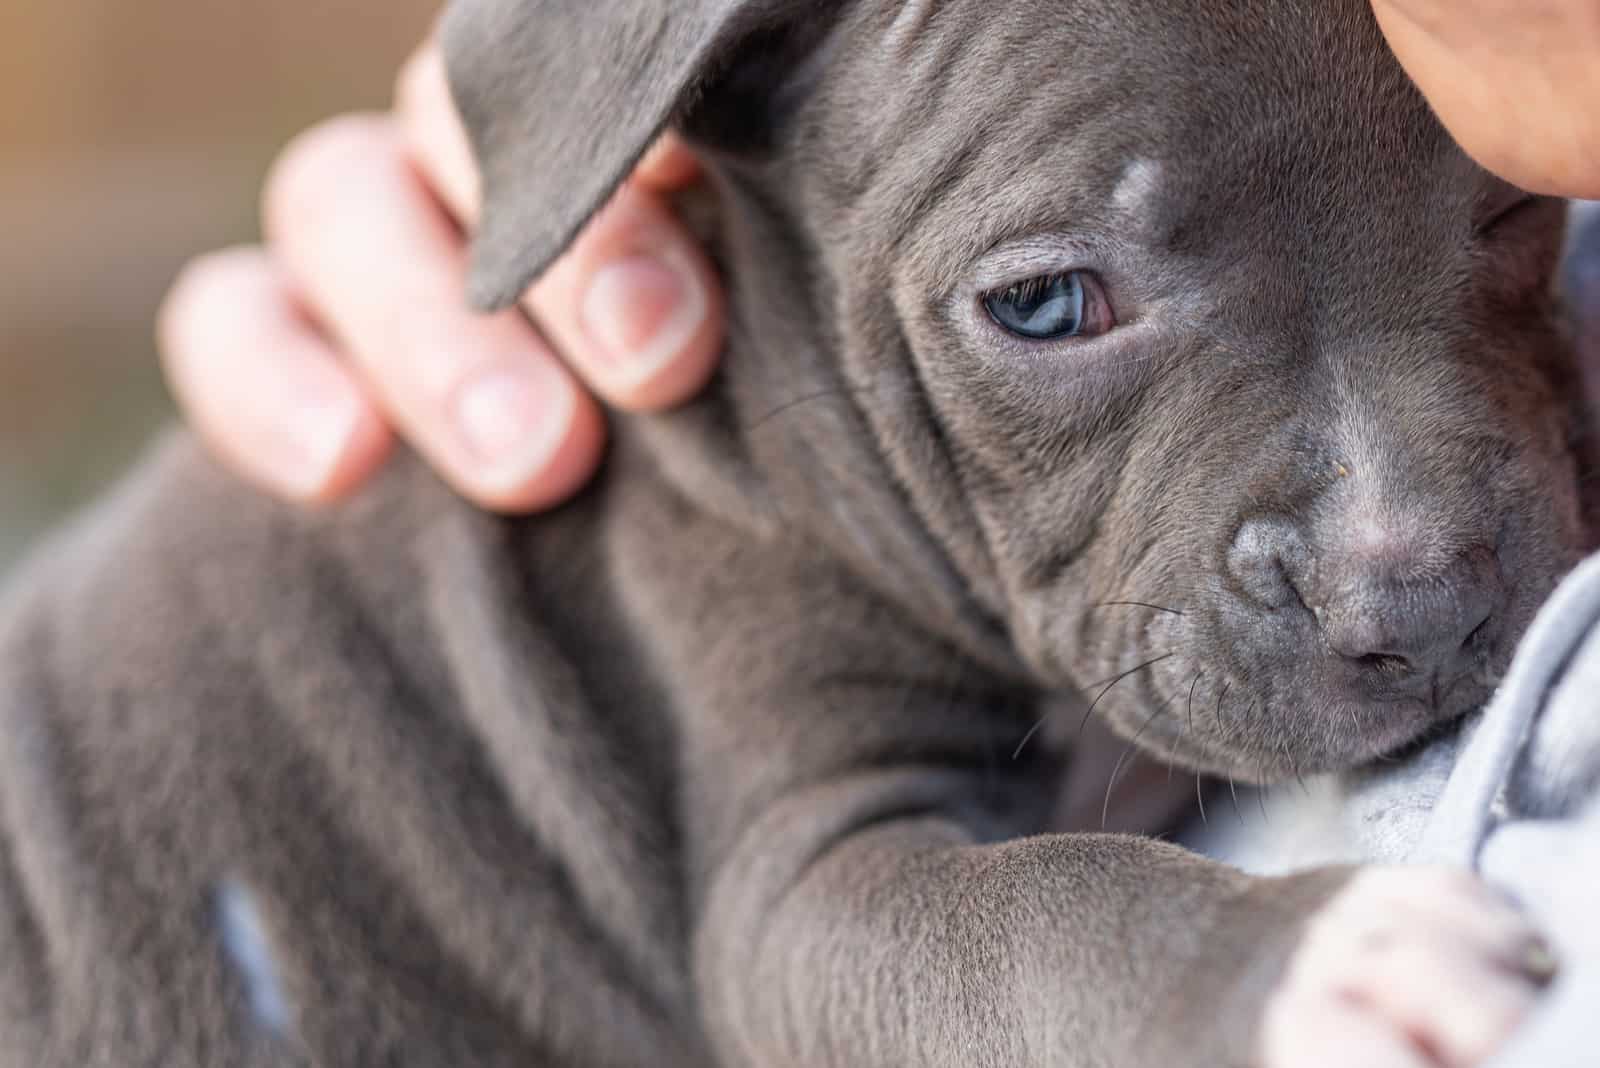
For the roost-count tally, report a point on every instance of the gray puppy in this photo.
(1159, 357)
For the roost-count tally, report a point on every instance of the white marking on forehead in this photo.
(1139, 185)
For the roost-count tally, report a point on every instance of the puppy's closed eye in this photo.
(1052, 307)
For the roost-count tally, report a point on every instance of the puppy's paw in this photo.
(1405, 968)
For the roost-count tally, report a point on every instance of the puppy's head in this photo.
(1226, 379)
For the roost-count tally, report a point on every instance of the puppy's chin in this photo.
(1317, 717)
(1327, 736)
(1207, 697)
(1362, 733)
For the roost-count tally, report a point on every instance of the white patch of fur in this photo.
(248, 947)
(1139, 186)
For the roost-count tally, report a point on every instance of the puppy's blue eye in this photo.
(1050, 307)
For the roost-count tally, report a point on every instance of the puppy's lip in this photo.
(1384, 730)
(1422, 720)
(1441, 694)
(1403, 721)
(1395, 726)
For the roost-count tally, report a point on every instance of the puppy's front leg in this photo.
(865, 883)
(862, 884)
(862, 924)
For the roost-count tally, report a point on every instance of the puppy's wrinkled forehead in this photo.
(1039, 111)
(1172, 123)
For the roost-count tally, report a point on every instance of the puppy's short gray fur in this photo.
(720, 764)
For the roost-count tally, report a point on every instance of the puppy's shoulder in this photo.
(249, 748)
(183, 603)
(187, 631)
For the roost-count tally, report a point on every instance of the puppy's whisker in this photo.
(1111, 786)
(1026, 738)
(818, 395)
(1192, 687)
(1355, 721)
(1112, 685)
(1037, 727)
(1200, 799)
(1139, 604)
(1171, 770)
(1262, 792)
(1233, 792)
(1294, 768)
(1116, 770)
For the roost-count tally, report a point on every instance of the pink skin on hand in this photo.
(1406, 968)
(1515, 81)
(297, 362)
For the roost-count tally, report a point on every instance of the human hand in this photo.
(1515, 81)
(297, 362)
(1405, 968)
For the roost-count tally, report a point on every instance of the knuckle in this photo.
(1381, 887)
(1450, 881)
(1368, 885)
(1408, 961)
(1323, 928)
(1489, 1025)
(1354, 914)
(1284, 1020)
(1472, 1032)
(314, 170)
(221, 269)
(1390, 879)
(1315, 968)
(207, 285)
(1509, 1017)
(194, 282)
(1340, 950)
(631, 217)
(1272, 1032)
(418, 81)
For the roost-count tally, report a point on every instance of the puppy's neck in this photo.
(783, 442)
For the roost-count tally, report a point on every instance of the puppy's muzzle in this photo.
(1401, 616)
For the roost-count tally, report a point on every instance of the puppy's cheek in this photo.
(1043, 625)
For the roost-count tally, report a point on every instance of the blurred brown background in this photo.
(131, 137)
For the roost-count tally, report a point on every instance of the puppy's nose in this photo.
(1422, 629)
(1383, 605)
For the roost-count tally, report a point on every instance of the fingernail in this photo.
(512, 421)
(641, 312)
(1539, 961)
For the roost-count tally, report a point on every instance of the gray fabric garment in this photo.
(1514, 795)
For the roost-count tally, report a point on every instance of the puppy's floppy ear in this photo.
(561, 98)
